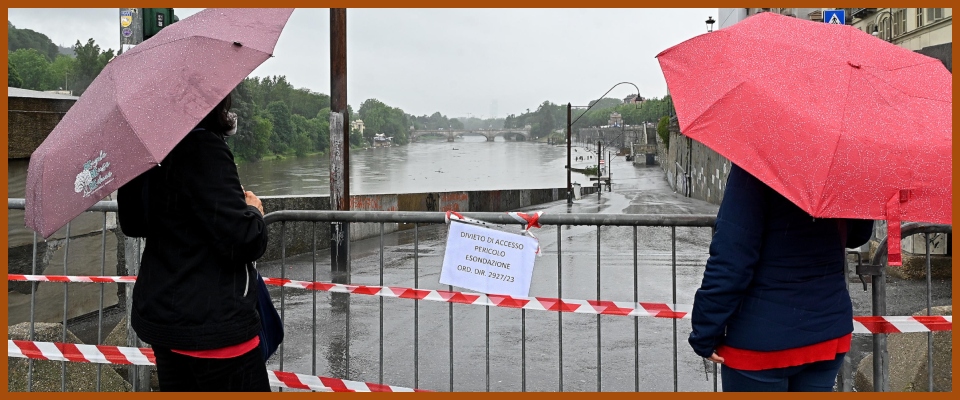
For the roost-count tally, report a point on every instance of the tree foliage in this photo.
(31, 67)
(663, 129)
(379, 118)
(13, 78)
(28, 39)
(89, 62)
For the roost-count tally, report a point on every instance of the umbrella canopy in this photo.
(843, 124)
(141, 105)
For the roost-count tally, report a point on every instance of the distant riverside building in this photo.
(615, 119)
(633, 98)
(357, 126)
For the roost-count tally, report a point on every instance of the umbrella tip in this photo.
(853, 64)
(238, 44)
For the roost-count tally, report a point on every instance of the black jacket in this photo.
(196, 289)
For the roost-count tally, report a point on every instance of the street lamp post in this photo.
(710, 23)
(569, 165)
(569, 128)
(876, 31)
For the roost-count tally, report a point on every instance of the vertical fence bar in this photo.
(486, 324)
(450, 288)
(416, 307)
(381, 305)
(63, 336)
(716, 384)
(33, 307)
(926, 237)
(283, 271)
(636, 320)
(879, 303)
(313, 344)
(599, 333)
(523, 350)
(103, 269)
(140, 373)
(560, 313)
(673, 251)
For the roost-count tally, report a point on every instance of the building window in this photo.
(919, 17)
(899, 21)
(934, 14)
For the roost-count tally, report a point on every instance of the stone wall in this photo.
(692, 169)
(30, 120)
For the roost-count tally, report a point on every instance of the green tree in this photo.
(323, 135)
(27, 39)
(89, 62)
(31, 67)
(60, 72)
(283, 129)
(303, 138)
(663, 129)
(306, 103)
(13, 79)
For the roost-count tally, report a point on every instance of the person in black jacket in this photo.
(195, 296)
(773, 307)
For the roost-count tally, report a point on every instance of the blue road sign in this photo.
(834, 17)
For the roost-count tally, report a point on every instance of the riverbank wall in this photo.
(297, 237)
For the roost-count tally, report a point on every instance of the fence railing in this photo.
(606, 338)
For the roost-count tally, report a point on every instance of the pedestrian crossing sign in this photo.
(834, 17)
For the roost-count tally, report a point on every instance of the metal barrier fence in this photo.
(538, 353)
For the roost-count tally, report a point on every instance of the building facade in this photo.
(911, 28)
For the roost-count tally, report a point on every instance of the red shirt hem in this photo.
(751, 360)
(236, 350)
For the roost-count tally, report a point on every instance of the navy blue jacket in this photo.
(775, 278)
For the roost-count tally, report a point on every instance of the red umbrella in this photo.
(843, 124)
(141, 105)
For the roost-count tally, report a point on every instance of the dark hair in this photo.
(217, 120)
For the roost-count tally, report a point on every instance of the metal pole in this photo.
(569, 165)
(880, 360)
(926, 237)
(339, 147)
(599, 173)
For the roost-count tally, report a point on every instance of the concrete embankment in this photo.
(298, 236)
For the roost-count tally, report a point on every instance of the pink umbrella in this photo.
(143, 103)
(843, 124)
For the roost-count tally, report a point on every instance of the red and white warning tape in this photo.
(920, 323)
(528, 221)
(861, 324)
(139, 356)
(64, 278)
(603, 307)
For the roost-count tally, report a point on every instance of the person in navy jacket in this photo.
(773, 307)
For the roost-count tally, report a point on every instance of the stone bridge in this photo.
(513, 134)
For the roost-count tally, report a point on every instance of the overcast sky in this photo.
(460, 62)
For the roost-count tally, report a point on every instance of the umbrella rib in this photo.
(131, 53)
